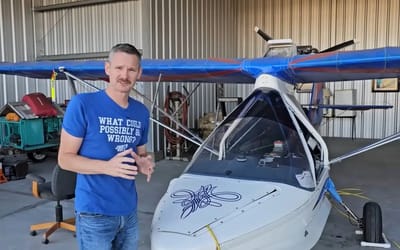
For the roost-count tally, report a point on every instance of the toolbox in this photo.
(14, 167)
(30, 132)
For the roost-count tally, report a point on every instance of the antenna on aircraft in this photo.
(262, 34)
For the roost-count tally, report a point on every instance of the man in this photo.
(103, 140)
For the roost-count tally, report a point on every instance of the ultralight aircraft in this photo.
(261, 178)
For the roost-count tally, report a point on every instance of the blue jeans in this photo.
(102, 232)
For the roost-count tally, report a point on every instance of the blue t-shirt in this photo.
(106, 129)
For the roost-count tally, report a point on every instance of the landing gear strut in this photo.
(371, 222)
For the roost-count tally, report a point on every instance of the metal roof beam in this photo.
(81, 3)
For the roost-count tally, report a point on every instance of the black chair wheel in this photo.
(33, 233)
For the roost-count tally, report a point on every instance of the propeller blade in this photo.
(262, 34)
(339, 46)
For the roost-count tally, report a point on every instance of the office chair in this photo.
(61, 187)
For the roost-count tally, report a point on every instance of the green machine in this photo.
(25, 132)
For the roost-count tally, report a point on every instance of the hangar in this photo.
(49, 30)
(198, 29)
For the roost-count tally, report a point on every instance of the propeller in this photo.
(262, 34)
(307, 49)
(339, 46)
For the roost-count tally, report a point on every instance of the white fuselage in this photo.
(205, 211)
(268, 216)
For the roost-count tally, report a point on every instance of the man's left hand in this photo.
(145, 164)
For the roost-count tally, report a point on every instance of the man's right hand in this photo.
(122, 165)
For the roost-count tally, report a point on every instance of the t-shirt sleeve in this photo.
(74, 121)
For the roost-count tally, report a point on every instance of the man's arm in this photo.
(119, 166)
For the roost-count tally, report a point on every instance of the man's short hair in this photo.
(126, 48)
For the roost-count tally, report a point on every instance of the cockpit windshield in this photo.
(257, 141)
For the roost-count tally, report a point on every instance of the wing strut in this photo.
(153, 103)
(186, 98)
(71, 77)
(199, 140)
(184, 136)
(379, 143)
(70, 80)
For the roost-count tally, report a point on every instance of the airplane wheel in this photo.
(372, 221)
(33, 233)
(45, 241)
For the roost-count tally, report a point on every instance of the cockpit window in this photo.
(258, 141)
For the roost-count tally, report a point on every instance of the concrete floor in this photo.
(375, 173)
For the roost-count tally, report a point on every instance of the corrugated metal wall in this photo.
(86, 29)
(192, 29)
(198, 29)
(186, 29)
(26, 34)
(322, 24)
(16, 44)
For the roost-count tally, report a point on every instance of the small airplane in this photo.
(261, 178)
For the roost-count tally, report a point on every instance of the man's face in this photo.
(123, 69)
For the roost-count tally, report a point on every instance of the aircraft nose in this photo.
(175, 241)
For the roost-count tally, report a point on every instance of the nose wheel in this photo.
(372, 226)
(372, 222)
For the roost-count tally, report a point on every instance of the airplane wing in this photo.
(85, 70)
(330, 66)
(350, 107)
(180, 70)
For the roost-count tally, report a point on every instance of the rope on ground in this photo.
(352, 192)
(218, 247)
(396, 244)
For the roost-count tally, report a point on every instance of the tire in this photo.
(37, 156)
(372, 222)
